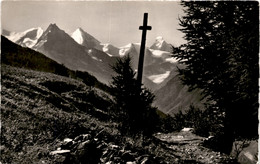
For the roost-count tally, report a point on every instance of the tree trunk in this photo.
(229, 129)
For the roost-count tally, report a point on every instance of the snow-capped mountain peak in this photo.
(159, 41)
(77, 36)
(161, 44)
(129, 48)
(27, 38)
(110, 49)
(54, 38)
(85, 39)
(52, 28)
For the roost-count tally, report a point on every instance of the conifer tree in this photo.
(221, 55)
(133, 104)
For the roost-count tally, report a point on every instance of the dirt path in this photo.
(188, 147)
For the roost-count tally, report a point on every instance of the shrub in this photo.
(205, 123)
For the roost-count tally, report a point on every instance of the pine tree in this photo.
(221, 55)
(133, 104)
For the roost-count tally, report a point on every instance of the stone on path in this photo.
(59, 152)
(187, 129)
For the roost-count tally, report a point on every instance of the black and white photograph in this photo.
(129, 82)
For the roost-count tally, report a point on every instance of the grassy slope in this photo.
(36, 113)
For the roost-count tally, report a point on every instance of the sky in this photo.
(115, 22)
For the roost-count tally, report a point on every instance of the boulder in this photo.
(87, 151)
(249, 154)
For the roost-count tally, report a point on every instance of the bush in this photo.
(205, 123)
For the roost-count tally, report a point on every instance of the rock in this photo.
(68, 144)
(102, 145)
(114, 146)
(86, 152)
(67, 140)
(130, 162)
(127, 156)
(59, 152)
(211, 142)
(144, 160)
(200, 157)
(249, 154)
(83, 145)
(82, 137)
(2, 147)
(187, 129)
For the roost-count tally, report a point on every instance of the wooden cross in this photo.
(144, 28)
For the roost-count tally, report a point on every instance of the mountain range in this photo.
(83, 52)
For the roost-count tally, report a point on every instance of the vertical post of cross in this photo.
(144, 28)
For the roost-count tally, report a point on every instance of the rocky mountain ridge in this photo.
(81, 51)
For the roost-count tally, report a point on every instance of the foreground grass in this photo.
(38, 109)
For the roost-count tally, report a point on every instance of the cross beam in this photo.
(144, 28)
